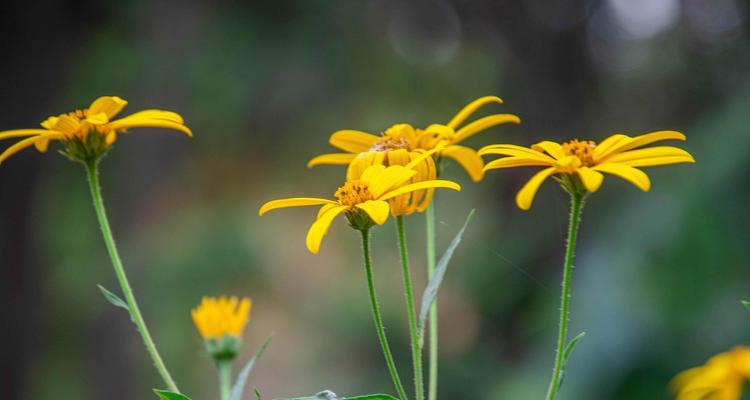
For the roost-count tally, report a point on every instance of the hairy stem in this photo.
(576, 206)
(416, 352)
(431, 262)
(378, 319)
(92, 170)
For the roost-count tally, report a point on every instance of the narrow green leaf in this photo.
(329, 395)
(167, 395)
(113, 299)
(257, 393)
(430, 292)
(239, 385)
(566, 356)
(324, 395)
(746, 304)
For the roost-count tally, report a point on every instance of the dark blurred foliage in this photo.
(659, 276)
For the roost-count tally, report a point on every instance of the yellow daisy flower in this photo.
(364, 200)
(721, 378)
(407, 203)
(580, 163)
(221, 322)
(90, 132)
(406, 137)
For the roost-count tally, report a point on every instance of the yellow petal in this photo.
(591, 179)
(468, 159)
(525, 196)
(641, 140)
(42, 145)
(470, 108)
(108, 105)
(377, 210)
(325, 209)
(630, 174)
(331, 159)
(516, 151)
(603, 148)
(390, 177)
(139, 122)
(651, 156)
(15, 148)
(67, 124)
(320, 227)
(111, 137)
(552, 148)
(370, 173)
(157, 114)
(484, 123)
(352, 141)
(22, 133)
(420, 186)
(97, 119)
(362, 162)
(510, 162)
(293, 202)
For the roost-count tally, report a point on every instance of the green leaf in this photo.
(566, 356)
(746, 304)
(329, 395)
(239, 385)
(430, 292)
(113, 299)
(167, 395)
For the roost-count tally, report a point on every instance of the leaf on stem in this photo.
(239, 385)
(167, 395)
(430, 292)
(329, 395)
(746, 304)
(113, 298)
(566, 356)
(257, 392)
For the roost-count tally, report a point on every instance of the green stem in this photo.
(378, 320)
(431, 262)
(225, 377)
(416, 353)
(92, 170)
(576, 206)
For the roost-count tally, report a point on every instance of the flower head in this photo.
(221, 322)
(721, 378)
(90, 132)
(406, 137)
(364, 200)
(580, 163)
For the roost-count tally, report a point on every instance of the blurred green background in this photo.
(658, 276)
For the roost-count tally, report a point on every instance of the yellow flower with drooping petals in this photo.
(409, 202)
(222, 316)
(364, 201)
(405, 136)
(721, 378)
(580, 163)
(90, 132)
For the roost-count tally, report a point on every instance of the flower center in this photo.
(353, 192)
(583, 149)
(396, 137)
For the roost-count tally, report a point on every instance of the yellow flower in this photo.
(581, 163)
(90, 132)
(407, 203)
(363, 200)
(721, 378)
(405, 136)
(223, 316)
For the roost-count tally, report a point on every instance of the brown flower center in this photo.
(353, 192)
(583, 149)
